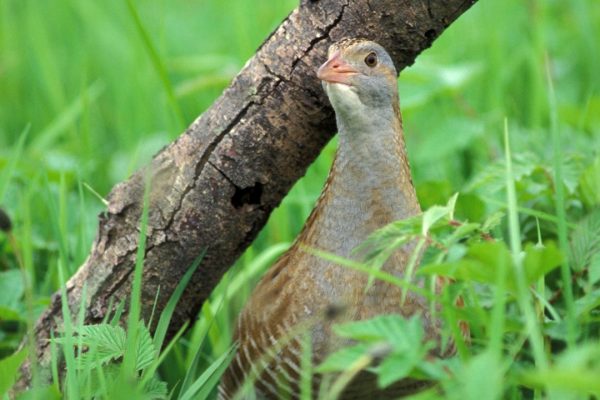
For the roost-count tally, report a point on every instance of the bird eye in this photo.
(371, 60)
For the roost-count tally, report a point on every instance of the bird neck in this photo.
(369, 185)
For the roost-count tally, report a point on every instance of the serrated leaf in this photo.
(480, 378)
(539, 261)
(397, 340)
(155, 389)
(49, 392)
(398, 366)
(483, 261)
(11, 288)
(480, 264)
(594, 269)
(589, 184)
(343, 358)
(9, 368)
(146, 352)
(436, 213)
(105, 343)
(470, 207)
(587, 303)
(394, 329)
(492, 221)
(585, 242)
(492, 178)
(8, 314)
(575, 370)
(103, 336)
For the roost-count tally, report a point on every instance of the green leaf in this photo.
(50, 392)
(155, 389)
(436, 213)
(9, 368)
(11, 288)
(576, 370)
(343, 358)
(480, 378)
(587, 303)
(483, 260)
(146, 352)
(8, 314)
(589, 184)
(470, 207)
(539, 261)
(399, 365)
(392, 337)
(105, 343)
(432, 193)
(395, 329)
(480, 264)
(584, 246)
(594, 269)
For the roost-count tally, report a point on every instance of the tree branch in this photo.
(215, 186)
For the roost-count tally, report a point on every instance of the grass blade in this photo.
(565, 268)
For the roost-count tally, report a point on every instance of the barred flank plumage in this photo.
(369, 186)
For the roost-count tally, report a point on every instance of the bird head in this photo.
(359, 73)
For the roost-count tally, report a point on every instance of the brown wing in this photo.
(263, 357)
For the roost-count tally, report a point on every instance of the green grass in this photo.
(89, 91)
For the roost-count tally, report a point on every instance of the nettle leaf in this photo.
(577, 370)
(398, 340)
(390, 236)
(399, 365)
(104, 336)
(480, 378)
(343, 358)
(395, 329)
(480, 264)
(492, 221)
(103, 343)
(436, 213)
(493, 178)
(484, 261)
(584, 249)
(470, 207)
(589, 184)
(9, 368)
(146, 352)
(539, 261)
(594, 268)
(584, 305)
(9, 314)
(155, 389)
(11, 289)
(572, 170)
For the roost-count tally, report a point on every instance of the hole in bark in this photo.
(275, 272)
(430, 34)
(332, 311)
(248, 195)
(5, 224)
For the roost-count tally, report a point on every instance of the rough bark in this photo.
(215, 186)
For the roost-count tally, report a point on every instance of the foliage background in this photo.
(82, 106)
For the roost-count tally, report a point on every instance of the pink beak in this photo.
(336, 70)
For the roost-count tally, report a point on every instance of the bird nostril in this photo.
(335, 66)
